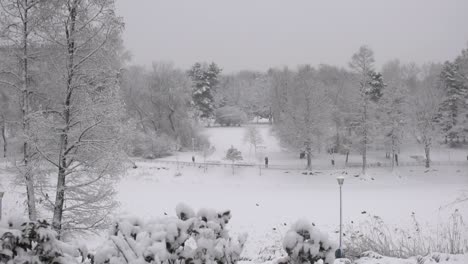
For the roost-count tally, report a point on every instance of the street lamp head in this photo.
(340, 180)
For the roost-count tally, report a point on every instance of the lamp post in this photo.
(340, 183)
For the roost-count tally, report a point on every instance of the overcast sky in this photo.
(259, 34)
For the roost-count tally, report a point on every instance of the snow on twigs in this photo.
(187, 238)
(304, 243)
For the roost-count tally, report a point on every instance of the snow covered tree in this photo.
(6, 117)
(233, 155)
(253, 137)
(454, 108)
(301, 109)
(205, 80)
(307, 112)
(78, 131)
(19, 20)
(376, 85)
(280, 82)
(341, 95)
(158, 102)
(362, 63)
(423, 109)
(393, 108)
(247, 90)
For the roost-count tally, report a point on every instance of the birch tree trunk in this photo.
(5, 143)
(364, 141)
(25, 94)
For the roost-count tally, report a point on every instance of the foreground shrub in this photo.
(304, 243)
(35, 242)
(370, 257)
(188, 238)
(375, 235)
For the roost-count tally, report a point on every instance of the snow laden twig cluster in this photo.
(304, 243)
(188, 238)
(373, 234)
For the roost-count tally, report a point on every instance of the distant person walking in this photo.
(193, 159)
(266, 162)
(396, 159)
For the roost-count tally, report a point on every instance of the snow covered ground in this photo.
(265, 205)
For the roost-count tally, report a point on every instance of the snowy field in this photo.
(261, 204)
(265, 205)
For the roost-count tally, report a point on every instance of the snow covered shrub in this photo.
(35, 242)
(189, 238)
(150, 145)
(304, 243)
(373, 234)
(230, 116)
(233, 154)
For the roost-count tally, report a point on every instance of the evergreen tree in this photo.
(376, 86)
(205, 80)
(452, 107)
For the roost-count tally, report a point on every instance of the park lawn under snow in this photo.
(265, 206)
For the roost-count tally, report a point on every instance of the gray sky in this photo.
(258, 34)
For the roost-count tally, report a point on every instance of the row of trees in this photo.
(160, 109)
(350, 109)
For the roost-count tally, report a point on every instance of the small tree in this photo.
(206, 151)
(233, 155)
(393, 110)
(425, 103)
(253, 137)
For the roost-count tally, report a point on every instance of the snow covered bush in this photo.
(150, 145)
(304, 243)
(36, 242)
(233, 154)
(189, 238)
(373, 234)
(230, 116)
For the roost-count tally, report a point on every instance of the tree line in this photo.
(355, 109)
